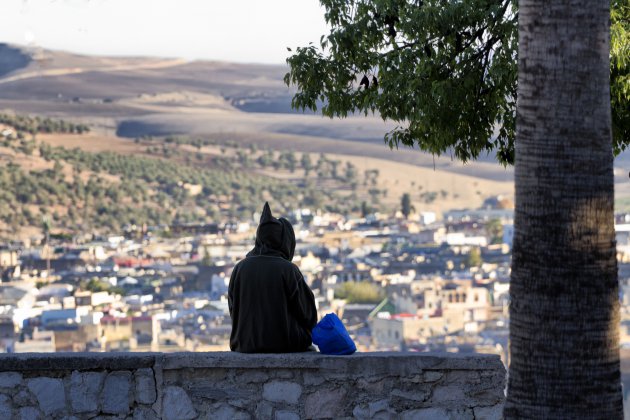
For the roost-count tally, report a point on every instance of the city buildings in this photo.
(442, 286)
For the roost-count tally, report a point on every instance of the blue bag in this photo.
(332, 337)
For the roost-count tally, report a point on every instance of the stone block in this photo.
(415, 379)
(420, 394)
(24, 399)
(5, 406)
(218, 393)
(227, 412)
(116, 395)
(279, 391)
(378, 407)
(432, 376)
(459, 377)
(361, 412)
(10, 379)
(448, 393)
(437, 413)
(145, 386)
(312, 378)
(385, 415)
(489, 413)
(287, 415)
(29, 413)
(374, 386)
(177, 405)
(283, 373)
(485, 397)
(252, 376)
(264, 410)
(50, 395)
(85, 388)
(325, 403)
(144, 413)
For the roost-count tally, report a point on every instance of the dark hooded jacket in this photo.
(272, 307)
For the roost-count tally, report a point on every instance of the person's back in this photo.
(272, 308)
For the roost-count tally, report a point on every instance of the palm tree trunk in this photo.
(564, 310)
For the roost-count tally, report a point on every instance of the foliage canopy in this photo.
(359, 292)
(444, 72)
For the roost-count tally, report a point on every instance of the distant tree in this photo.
(494, 228)
(96, 285)
(290, 161)
(429, 196)
(360, 292)
(27, 147)
(365, 209)
(474, 258)
(207, 259)
(322, 165)
(307, 165)
(371, 177)
(57, 170)
(374, 195)
(334, 171)
(243, 158)
(350, 172)
(266, 159)
(405, 205)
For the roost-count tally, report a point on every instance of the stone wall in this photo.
(182, 386)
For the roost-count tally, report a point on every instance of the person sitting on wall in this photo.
(271, 306)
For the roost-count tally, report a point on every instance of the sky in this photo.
(247, 31)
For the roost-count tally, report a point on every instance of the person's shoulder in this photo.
(295, 268)
(263, 259)
(242, 263)
(278, 263)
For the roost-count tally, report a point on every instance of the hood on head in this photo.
(274, 236)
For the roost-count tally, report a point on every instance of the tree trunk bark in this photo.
(564, 311)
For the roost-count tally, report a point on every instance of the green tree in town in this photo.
(473, 258)
(405, 205)
(206, 260)
(365, 209)
(494, 228)
(359, 292)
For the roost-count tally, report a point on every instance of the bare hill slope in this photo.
(136, 96)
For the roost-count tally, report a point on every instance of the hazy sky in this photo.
(231, 30)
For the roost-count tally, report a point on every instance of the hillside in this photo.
(139, 96)
(142, 96)
(88, 181)
(207, 121)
